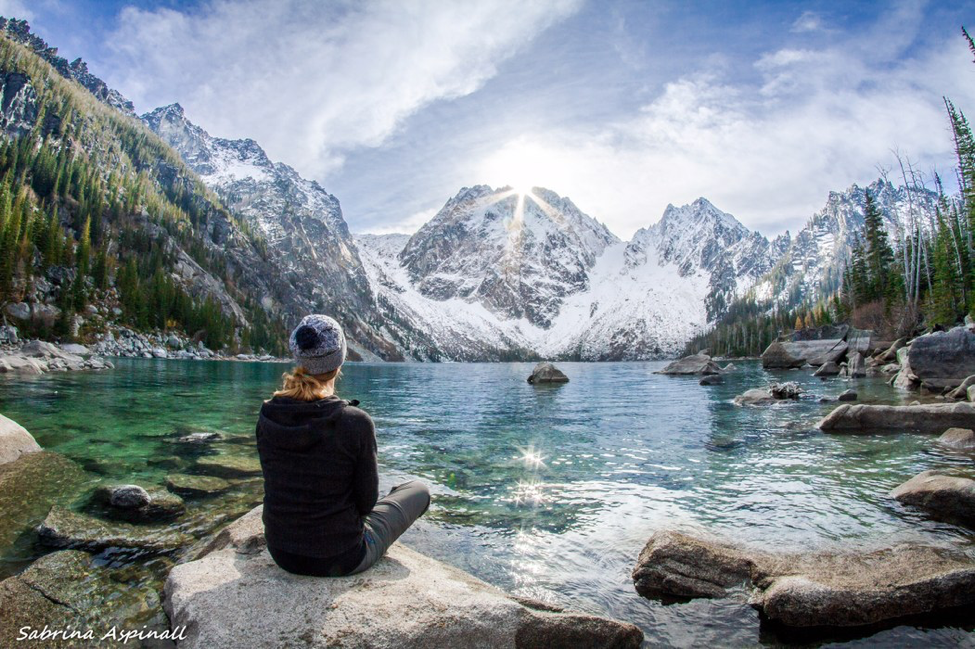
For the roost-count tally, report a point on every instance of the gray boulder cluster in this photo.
(39, 357)
(833, 350)
(128, 343)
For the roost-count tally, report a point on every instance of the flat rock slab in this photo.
(810, 590)
(696, 364)
(15, 441)
(922, 418)
(64, 528)
(138, 505)
(64, 589)
(190, 486)
(237, 594)
(229, 466)
(945, 496)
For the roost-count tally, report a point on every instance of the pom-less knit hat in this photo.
(318, 344)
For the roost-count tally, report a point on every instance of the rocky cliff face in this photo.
(316, 265)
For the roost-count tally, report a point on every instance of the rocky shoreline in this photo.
(40, 357)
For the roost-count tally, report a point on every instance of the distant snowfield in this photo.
(647, 305)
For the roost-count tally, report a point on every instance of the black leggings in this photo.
(387, 521)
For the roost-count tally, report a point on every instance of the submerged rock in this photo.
(712, 379)
(229, 466)
(126, 496)
(921, 418)
(65, 589)
(406, 600)
(810, 590)
(697, 364)
(960, 438)
(29, 487)
(945, 496)
(15, 441)
(847, 395)
(196, 485)
(547, 373)
(202, 437)
(66, 529)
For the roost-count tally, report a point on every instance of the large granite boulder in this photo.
(547, 373)
(944, 358)
(854, 367)
(63, 528)
(786, 354)
(67, 591)
(15, 441)
(699, 363)
(921, 418)
(945, 496)
(825, 589)
(236, 592)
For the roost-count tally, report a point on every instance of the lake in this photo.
(546, 491)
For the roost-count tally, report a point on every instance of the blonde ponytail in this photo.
(303, 386)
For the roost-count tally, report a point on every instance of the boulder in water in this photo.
(854, 367)
(810, 590)
(786, 354)
(788, 390)
(829, 368)
(126, 496)
(138, 505)
(944, 358)
(755, 397)
(712, 379)
(696, 364)
(945, 496)
(920, 418)
(847, 395)
(547, 373)
(15, 441)
(959, 438)
(405, 600)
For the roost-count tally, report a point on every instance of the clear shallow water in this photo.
(550, 492)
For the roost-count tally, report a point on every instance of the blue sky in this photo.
(762, 107)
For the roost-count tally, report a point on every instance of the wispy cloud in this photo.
(767, 150)
(809, 21)
(312, 81)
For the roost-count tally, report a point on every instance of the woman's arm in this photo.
(365, 487)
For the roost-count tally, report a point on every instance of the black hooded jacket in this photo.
(320, 475)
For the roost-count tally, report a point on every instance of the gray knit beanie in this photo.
(318, 344)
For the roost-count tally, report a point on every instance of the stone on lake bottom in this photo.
(196, 485)
(229, 466)
(406, 600)
(64, 528)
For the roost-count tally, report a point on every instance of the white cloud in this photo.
(15, 9)
(768, 152)
(809, 21)
(409, 225)
(312, 81)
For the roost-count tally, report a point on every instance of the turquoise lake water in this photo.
(548, 492)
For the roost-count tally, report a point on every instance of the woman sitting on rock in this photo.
(321, 482)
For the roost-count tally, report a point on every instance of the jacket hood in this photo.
(297, 425)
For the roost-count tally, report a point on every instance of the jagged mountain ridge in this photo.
(308, 240)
